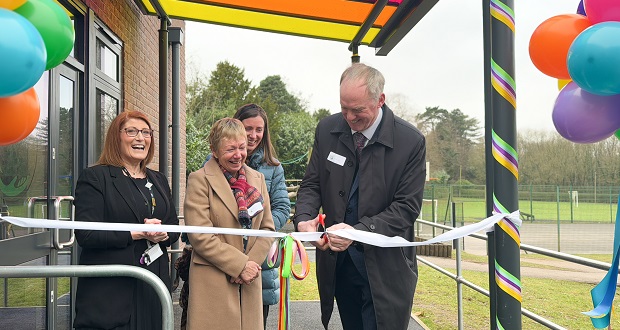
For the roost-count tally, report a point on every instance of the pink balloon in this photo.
(602, 10)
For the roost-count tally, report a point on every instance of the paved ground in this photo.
(305, 315)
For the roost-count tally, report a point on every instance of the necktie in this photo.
(360, 141)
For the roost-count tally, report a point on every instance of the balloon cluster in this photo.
(583, 52)
(37, 35)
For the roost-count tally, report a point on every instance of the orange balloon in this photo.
(551, 40)
(19, 115)
(12, 4)
(562, 83)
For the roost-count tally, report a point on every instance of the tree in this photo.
(451, 137)
(401, 105)
(197, 146)
(320, 114)
(272, 95)
(294, 142)
(273, 88)
(228, 84)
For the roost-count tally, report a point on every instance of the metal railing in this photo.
(99, 271)
(460, 280)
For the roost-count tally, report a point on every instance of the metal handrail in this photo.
(460, 280)
(530, 248)
(160, 288)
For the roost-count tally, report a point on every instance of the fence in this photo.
(570, 219)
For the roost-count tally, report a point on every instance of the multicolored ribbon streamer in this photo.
(603, 294)
(285, 250)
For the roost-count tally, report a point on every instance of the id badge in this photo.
(151, 254)
(255, 209)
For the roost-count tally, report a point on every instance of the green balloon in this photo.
(55, 27)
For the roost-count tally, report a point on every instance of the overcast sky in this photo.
(438, 63)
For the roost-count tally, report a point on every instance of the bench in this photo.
(527, 216)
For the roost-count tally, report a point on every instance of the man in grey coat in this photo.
(366, 172)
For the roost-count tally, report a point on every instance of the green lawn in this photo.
(25, 292)
(472, 210)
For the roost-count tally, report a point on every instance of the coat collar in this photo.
(165, 193)
(122, 186)
(221, 187)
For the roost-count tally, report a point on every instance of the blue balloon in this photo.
(594, 59)
(22, 54)
(582, 117)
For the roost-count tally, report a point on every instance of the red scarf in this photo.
(245, 195)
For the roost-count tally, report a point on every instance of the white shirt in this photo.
(370, 131)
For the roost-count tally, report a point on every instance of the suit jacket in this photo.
(391, 184)
(104, 194)
(213, 300)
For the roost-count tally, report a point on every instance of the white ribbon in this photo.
(352, 234)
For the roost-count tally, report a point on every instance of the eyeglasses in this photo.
(132, 132)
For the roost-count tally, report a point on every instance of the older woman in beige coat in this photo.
(225, 285)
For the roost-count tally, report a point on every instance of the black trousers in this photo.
(353, 297)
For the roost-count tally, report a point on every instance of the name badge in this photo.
(151, 254)
(255, 209)
(336, 158)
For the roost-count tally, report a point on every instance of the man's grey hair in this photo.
(373, 78)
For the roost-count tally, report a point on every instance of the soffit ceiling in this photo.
(380, 23)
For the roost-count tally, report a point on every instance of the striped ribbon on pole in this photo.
(506, 166)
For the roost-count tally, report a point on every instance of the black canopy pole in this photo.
(488, 152)
(506, 167)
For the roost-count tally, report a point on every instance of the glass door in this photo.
(37, 180)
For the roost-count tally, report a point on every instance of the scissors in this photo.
(322, 223)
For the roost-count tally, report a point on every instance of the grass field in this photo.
(435, 301)
(27, 292)
(472, 210)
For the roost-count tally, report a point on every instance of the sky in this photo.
(438, 63)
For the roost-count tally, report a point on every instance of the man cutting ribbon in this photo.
(366, 172)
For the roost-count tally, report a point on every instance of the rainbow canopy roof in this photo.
(377, 23)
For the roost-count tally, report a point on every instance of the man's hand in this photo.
(337, 243)
(313, 225)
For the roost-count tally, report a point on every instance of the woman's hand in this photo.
(152, 236)
(250, 272)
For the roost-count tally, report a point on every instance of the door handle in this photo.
(56, 234)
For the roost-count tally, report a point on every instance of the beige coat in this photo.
(215, 303)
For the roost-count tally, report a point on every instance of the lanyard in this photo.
(149, 186)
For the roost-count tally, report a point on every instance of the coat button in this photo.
(341, 193)
(331, 253)
(350, 163)
(349, 210)
(372, 227)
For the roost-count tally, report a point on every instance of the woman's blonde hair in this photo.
(111, 154)
(225, 128)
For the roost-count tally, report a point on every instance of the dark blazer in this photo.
(391, 185)
(103, 194)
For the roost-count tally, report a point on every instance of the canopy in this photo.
(377, 23)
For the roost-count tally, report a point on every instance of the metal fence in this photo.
(570, 219)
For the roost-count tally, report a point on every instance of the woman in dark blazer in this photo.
(121, 189)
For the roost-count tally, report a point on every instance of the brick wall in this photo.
(140, 36)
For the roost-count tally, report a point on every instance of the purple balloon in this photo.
(581, 10)
(582, 117)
